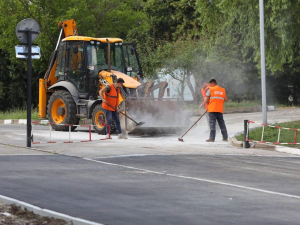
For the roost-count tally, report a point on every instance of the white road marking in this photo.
(193, 154)
(200, 179)
(26, 154)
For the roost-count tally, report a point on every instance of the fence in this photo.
(68, 125)
(247, 140)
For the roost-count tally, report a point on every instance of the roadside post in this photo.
(28, 31)
(246, 133)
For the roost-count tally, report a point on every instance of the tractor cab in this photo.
(80, 59)
(132, 64)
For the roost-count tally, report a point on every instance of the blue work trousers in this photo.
(213, 117)
(112, 115)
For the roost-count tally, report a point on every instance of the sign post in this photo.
(27, 31)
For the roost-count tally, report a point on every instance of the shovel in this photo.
(138, 124)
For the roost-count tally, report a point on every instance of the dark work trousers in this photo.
(112, 115)
(208, 124)
(213, 117)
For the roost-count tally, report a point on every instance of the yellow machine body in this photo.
(80, 66)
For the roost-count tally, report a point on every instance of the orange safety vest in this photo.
(203, 91)
(216, 100)
(112, 98)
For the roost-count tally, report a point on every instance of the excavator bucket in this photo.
(161, 116)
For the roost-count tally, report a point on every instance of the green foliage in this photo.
(202, 39)
(93, 17)
(18, 114)
(235, 23)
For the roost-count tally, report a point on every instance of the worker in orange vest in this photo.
(110, 96)
(215, 97)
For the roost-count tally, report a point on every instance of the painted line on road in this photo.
(200, 179)
(46, 212)
(20, 154)
(204, 154)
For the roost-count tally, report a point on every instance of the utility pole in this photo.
(263, 62)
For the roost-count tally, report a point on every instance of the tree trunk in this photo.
(189, 83)
(182, 86)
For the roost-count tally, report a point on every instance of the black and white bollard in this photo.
(246, 134)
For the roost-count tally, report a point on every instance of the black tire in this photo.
(97, 111)
(68, 111)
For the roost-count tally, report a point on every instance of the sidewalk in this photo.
(194, 141)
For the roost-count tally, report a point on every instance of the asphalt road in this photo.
(185, 189)
(153, 180)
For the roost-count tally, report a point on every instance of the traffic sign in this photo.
(28, 31)
(22, 52)
(27, 25)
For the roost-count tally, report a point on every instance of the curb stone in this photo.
(46, 212)
(20, 121)
(235, 142)
(263, 146)
(24, 121)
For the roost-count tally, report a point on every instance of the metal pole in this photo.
(263, 64)
(246, 145)
(125, 116)
(29, 89)
(108, 54)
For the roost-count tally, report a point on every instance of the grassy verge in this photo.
(231, 104)
(271, 134)
(18, 114)
(227, 105)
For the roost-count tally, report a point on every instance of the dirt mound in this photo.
(15, 215)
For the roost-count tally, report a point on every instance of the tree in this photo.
(93, 17)
(235, 23)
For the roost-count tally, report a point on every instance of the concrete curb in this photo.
(235, 142)
(46, 212)
(24, 121)
(263, 146)
(269, 147)
(21, 121)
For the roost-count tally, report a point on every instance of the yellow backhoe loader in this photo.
(80, 66)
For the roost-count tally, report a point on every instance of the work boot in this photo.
(210, 140)
(122, 136)
(108, 136)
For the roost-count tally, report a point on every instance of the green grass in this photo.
(18, 114)
(271, 134)
(229, 104)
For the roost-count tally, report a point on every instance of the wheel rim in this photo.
(98, 122)
(58, 105)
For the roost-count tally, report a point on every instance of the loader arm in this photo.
(67, 28)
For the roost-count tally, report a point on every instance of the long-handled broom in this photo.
(138, 124)
(181, 138)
